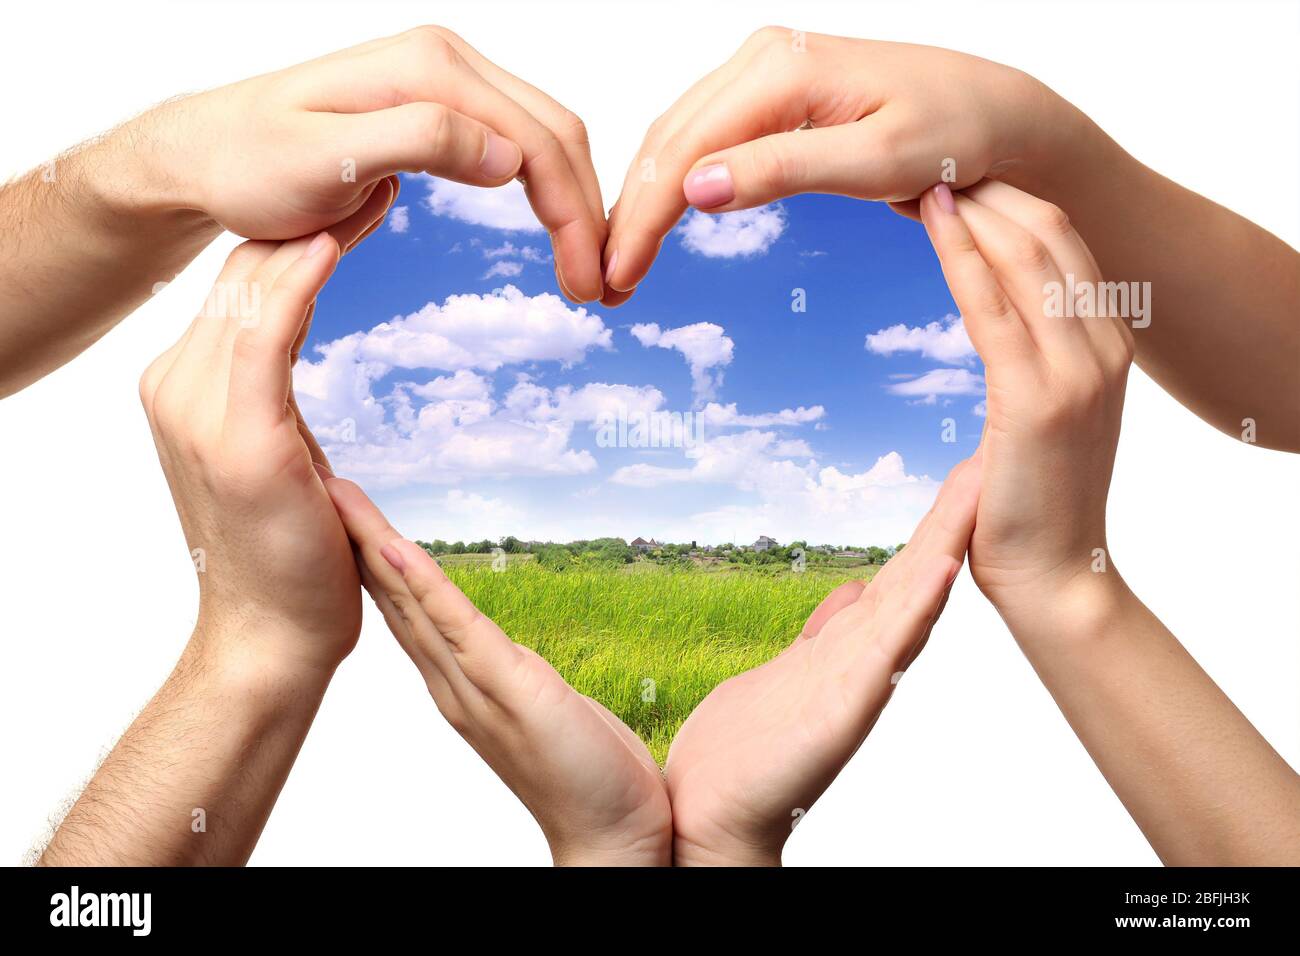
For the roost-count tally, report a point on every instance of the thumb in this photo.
(864, 160)
(430, 138)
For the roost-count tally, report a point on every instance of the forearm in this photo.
(194, 778)
(1224, 294)
(83, 242)
(1199, 780)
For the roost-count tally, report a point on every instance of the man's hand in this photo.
(584, 775)
(195, 776)
(286, 154)
(756, 753)
(293, 152)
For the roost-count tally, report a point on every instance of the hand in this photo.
(278, 585)
(886, 120)
(1055, 391)
(291, 152)
(584, 775)
(763, 746)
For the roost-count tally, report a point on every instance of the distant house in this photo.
(642, 545)
(765, 543)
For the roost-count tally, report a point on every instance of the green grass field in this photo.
(609, 630)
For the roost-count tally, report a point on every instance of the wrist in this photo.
(1059, 147)
(136, 177)
(1065, 609)
(652, 851)
(248, 664)
(690, 853)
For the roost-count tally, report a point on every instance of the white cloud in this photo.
(464, 386)
(940, 381)
(508, 248)
(479, 331)
(723, 416)
(399, 218)
(450, 427)
(593, 402)
(502, 207)
(796, 498)
(944, 341)
(705, 347)
(980, 409)
(504, 267)
(746, 232)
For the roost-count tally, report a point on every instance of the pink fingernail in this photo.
(393, 557)
(500, 157)
(710, 186)
(317, 245)
(944, 196)
(609, 269)
(323, 471)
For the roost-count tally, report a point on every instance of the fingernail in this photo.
(393, 557)
(500, 157)
(944, 196)
(609, 269)
(323, 471)
(710, 186)
(317, 244)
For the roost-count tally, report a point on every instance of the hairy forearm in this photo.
(194, 778)
(84, 240)
(1224, 294)
(1199, 780)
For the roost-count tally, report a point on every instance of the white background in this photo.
(970, 764)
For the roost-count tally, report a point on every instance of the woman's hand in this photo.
(1055, 377)
(888, 120)
(756, 753)
(584, 775)
(278, 586)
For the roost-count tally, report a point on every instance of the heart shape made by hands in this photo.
(648, 631)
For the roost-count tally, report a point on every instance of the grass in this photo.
(609, 631)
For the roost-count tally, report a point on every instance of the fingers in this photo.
(1025, 268)
(1052, 227)
(447, 629)
(567, 127)
(430, 138)
(994, 325)
(371, 534)
(421, 66)
(947, 527)
(261, 359)
(843, 596)
(906, 618)
(855, 159)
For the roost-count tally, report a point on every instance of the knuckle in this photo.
(1051, 219)
(436, 127)
(456, 718)
(767, 36)
(571, 128)
(401, 602)
(430, 47)
(773, 168)
(1028, 253)
(991, 300)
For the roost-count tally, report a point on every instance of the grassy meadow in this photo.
(609, 630)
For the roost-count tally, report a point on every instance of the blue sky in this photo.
(445, 373)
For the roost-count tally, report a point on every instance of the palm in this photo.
(764, 745)
(607, 780)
